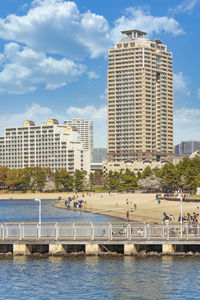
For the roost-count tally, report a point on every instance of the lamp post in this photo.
(40, 208)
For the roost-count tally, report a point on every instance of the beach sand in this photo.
(114, 204)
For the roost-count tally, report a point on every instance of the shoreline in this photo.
(115, 204)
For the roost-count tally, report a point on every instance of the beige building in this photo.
(48, 145)
(140, 99)
(134, 166)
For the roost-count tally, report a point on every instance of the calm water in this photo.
(91, 277)
(27, 211)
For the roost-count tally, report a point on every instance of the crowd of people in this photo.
(189, 217)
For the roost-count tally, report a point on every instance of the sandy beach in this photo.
(114, 204)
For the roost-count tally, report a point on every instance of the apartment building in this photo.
(48, 145)
(140, 99)
(186, 148)
(85, 129)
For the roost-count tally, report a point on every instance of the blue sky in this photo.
(53, 58)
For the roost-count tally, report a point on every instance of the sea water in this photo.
(83, 277)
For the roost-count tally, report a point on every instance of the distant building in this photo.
(185, 149)
(99, 155)
(49, 145)
(85, 129)
(134, 166)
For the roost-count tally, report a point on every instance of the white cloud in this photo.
(198, 93)
(186, 124)
(181, 88)
(185, 7)
(93, 75)
(58, 27)
(35, 113)
(98, 115)
(90, 112)
(139, 18)
(103, 96)
(22, 69)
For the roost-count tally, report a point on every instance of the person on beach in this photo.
(135, 206)
(127, 215)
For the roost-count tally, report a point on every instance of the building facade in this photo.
(140, 99)
(99, 155)
(85, 129)
(136, 166)
(185, 149)
(48, 145)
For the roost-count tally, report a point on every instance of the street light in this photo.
(40, 208)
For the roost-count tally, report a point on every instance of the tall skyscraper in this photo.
(85, 129)
(140, 99)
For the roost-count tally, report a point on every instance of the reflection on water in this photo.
(99, 278)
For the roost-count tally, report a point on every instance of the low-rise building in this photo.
(49, 145)
(134, 166)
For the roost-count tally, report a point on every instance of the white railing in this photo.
(98, 231)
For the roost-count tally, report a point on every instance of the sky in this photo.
(53, 58)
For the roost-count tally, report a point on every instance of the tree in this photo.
(150, 183)
(114, 181)
(128, 181)
(91, 180)
(39, 178)
(63, 180)
(79, 179)
(3, 176)
(170, 178)
(147, 172)
(27, 174)
(14, 179)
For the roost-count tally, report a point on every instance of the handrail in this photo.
(92, 231)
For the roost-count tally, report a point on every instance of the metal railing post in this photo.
(39, 231)
(186, 231)
(110, 229)
(20, 232)
(148, 232)
(3, 233)
(56, 231)
(129, 232)
(74, 231)
(92, 231)
(167, 237)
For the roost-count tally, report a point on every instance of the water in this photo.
(91, 277)
(28, 211)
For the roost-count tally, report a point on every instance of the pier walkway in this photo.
(95, 237)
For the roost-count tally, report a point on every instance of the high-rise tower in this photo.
(140, 99)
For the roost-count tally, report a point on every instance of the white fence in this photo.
(98, 231)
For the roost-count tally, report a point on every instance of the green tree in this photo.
(91, 180)
(39, 178)
(79, 179)
(170, 178)
(147, 172)
(3, 176)
(114, 181)
(128, 181)
(63, 180)
(14, 179)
